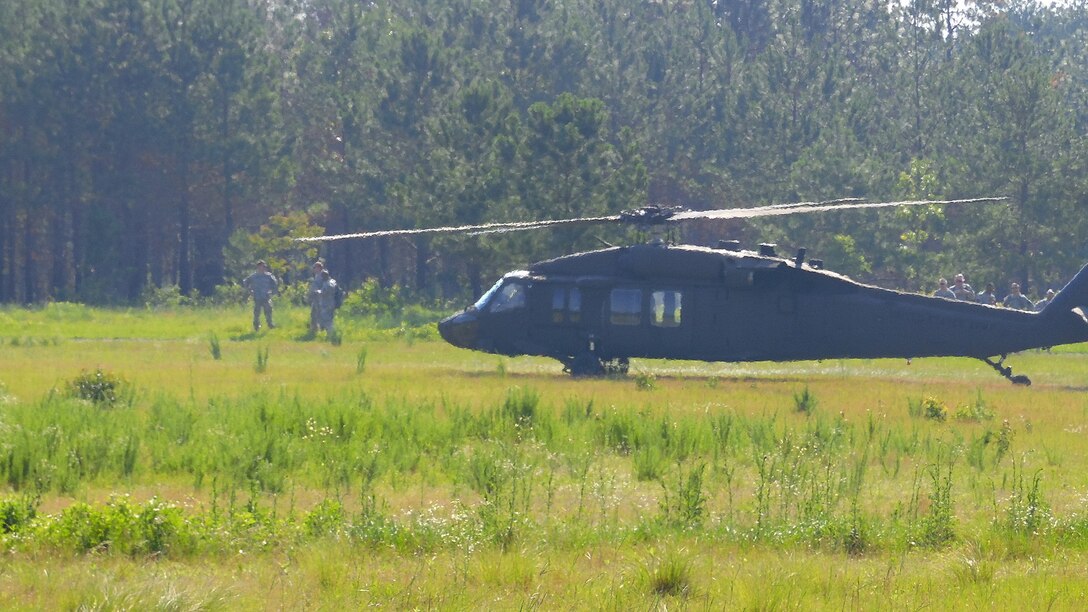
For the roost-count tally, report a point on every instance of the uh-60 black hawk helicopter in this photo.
(594, 311)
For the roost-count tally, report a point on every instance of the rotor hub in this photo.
(649, 216)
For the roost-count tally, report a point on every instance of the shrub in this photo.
(373, 300)
(645, 381)
(804, 401)
(928, 408)
(15, 514)
(98, 387)
(975, 412)
(156, 298)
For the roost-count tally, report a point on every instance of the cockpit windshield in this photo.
(507, 294)
(481, 304)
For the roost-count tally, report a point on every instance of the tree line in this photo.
(158, 143)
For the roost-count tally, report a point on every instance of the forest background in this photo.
(164, 145)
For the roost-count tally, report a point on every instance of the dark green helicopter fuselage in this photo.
(688, 302)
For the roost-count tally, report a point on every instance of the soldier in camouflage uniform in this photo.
(262, 285)
(987, 296)
(327, 303)
(1018, 300)
(962, 290)
(943, 291)
(1041, 304)
(316, 282)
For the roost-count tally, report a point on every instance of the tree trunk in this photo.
(184, 261)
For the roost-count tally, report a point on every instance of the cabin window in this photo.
(666, 308)
(566, 305)
(510, 297)
(559, 304)
(626, 305)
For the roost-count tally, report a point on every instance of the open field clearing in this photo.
(177, 460)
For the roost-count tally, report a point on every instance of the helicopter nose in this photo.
(460, 330)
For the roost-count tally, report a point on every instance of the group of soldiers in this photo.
(323, 297)
(960, 290)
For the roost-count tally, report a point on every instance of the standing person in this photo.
(987, 296)
(262, 285)
(943, 291)
(327, 303)
(316, 281)
(1017, 300)
(1041, 304)
(962, 290)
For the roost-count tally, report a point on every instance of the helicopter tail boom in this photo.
(1073, 295)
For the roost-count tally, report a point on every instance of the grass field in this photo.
(177, 460)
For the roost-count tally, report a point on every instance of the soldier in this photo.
(943, 291)
(316, 281)
(962, 290)
(987, 296)
(1041, 304)
(262, 285)
(1017, 300)
(327, 303)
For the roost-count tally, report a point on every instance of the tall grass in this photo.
(740, 477)
(435, 458)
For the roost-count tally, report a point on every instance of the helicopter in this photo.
(594, 311)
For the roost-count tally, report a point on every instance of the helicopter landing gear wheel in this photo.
(585, 364)
(1006, 371)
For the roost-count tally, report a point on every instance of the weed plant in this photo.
(101, 388)
(214, 347)
(360, 360)
(261, 365)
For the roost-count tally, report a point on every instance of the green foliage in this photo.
(275, 243)
(214, 347)
(1028, 514)
(360, 360)
(122, 526)
(385, 304)
(159, 298)
(977, 411)
(928, 407)
(804, 401)
(683, 500)
(327, 518)
(521, 406)
(99, 387)
(16, 514)
(668, 574)
(407, 116)
(938, 524)
(645, 381)
(261, 365)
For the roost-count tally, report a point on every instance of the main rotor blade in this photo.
(648, 216)
(776, 210)
(483, 228)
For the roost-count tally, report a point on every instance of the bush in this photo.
(15, 514)
(372, 300)
(928, 408)
(167, 297)
(100, 388)
(155, 527)
(805, 401)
